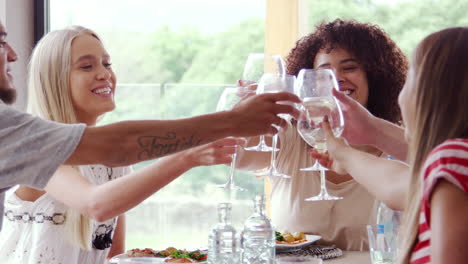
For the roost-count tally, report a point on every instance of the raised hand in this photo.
(217, 152)
(362, 128)
(359, 121)
(255, 114)
(333, 159)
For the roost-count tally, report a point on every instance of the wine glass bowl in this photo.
(315, 88)
(258, 65)
(314, 110)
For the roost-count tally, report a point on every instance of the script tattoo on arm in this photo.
(157, 146)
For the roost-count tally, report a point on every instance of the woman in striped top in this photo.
(433, 189)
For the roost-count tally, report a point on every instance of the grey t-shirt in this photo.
(31, 149)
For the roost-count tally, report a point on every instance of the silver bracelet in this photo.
(56, 218)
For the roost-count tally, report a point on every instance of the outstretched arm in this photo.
(387, 180)
(130, 142)
(105, 201)
(362, 128)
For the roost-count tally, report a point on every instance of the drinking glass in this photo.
(228, 99)
(382, 244)
(257, 64)
(315, 87)
(272, 83)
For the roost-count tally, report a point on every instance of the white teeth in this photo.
(347, 92)
(106, 90)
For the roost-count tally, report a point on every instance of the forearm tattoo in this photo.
(156, 146)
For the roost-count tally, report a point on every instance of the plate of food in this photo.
(285, 241)
(169, 255)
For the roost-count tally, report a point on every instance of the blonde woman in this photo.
(433, 191)
(80, 218)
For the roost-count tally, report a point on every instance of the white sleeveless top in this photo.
(34, 232)
(342, 223)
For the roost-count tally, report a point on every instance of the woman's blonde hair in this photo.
(49, 75)
(440, 64)
(50, 98)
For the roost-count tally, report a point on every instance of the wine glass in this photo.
(228, 99)
(315, 87)
(272, 83)
(257, 64)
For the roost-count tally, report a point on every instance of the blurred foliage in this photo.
(406, 21)
(222, 61)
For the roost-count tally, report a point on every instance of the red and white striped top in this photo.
(448, 161)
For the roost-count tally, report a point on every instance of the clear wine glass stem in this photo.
(320, 167)
(230, 185)
(315, 167)
(262, 141)
(273, 152)
(272, 171)
(261, 146)
(232, 169)
(323, 195)
(323, 187)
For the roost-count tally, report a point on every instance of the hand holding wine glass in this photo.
(226, 101)
(258, 64)
(257, 113)
(271, 83)
(315, 89)
(336, 150)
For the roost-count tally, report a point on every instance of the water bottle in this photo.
(258, 236)
(388, 219)
(222, 245)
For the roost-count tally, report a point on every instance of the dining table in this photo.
(351, 257)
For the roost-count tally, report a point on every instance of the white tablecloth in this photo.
(351, 257)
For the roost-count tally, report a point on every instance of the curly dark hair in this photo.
(384, 63)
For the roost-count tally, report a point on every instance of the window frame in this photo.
(41, 19)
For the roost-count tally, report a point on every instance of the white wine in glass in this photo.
(315, 89)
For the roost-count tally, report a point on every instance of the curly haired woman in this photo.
(371, 69)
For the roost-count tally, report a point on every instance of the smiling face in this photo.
(92, 81)
(7, 55)
(350, 74)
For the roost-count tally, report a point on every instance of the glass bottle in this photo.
(258, 236)
(222, 245)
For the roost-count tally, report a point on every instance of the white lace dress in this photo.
(34, 232)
